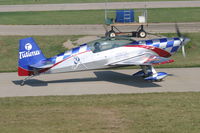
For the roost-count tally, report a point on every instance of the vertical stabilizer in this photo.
(29, 54)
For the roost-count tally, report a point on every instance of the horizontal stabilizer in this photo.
(42, 64)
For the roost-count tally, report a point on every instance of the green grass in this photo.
(174, 15)
(53, 45)
(18, 2)
(52, 17)
(94, 16)
(133, 113)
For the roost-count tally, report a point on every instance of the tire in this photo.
(142, 34)
(111, 34)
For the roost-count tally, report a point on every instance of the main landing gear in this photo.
(150, 74)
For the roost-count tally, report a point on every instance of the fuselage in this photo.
(110, 52)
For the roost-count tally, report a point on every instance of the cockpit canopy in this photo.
(108, 43)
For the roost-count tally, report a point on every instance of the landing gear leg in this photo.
(148, 70)
(27, 78)
(152, 75)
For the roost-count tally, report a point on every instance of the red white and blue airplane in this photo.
(100, 54)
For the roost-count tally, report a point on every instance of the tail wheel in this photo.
(142, 34)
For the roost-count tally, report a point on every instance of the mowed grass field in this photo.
(18, 2)
(133, 113)
(53, 45)
(91, 17)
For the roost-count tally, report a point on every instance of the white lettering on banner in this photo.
(26, 54)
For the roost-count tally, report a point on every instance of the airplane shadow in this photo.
(109, 76)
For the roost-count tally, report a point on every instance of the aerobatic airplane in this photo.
(99, 54)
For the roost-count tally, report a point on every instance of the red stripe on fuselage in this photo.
(159, 51)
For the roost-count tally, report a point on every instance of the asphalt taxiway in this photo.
(99, 82)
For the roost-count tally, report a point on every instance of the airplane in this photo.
(107, 52)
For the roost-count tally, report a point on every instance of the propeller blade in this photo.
(183, 51)
(183, 39)
(186, 40)
(178, 31)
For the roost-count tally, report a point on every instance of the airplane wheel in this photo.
(111, 33)
(142, 34)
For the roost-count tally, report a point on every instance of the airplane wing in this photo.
(144, 59)
(157, 60)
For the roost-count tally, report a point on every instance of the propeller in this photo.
(184, 40)
(183, 51)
